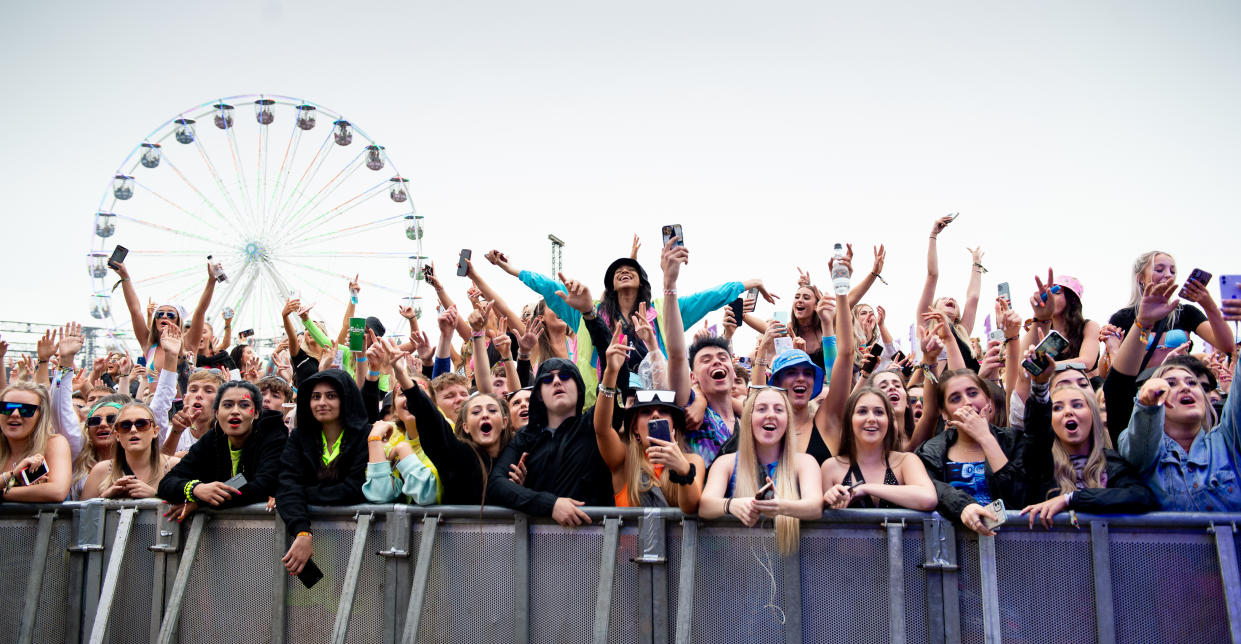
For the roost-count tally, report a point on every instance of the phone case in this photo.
(996, 506)
(310, 574)
(236, 481)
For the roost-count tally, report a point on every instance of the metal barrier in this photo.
(108, 572)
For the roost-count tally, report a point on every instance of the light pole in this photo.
(557, 253)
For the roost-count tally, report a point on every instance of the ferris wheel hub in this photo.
(255, 251)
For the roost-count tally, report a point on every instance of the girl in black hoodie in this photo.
(324, 460)
(245, 439)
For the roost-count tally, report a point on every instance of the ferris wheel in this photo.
(294, 201)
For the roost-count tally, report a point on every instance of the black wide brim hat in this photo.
(624, 261)
(669, 406)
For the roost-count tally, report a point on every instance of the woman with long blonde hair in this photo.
(98, 439)
(136, 466)
(766, 476)
(28, 438)
(1066, 456)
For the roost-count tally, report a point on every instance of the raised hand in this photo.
(328, 359)
(503, 343)
(46, 345)
(942, 223)
(70, 342)
(406, 312)
(526, 342)
(803, 278)
(642, 326)
(880, 255)
(497, 258)
(1155, 303)
(170, 339)
(575, 294)
(292, 305)
(670, 260)
(447, 320)
(618, 352)
(633, 252)
(478, 318)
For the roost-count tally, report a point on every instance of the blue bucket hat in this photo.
(797, 358)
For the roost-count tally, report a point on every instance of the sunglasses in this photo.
(135, 425)
(564, 376)
(217, 372)
(95, 421)
(26, 410)
(166, 315)
(655, 395)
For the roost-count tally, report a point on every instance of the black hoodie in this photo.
(303, 478)
(562, 461)
(208, 460)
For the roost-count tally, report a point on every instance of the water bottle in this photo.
(227, 313)
(353, 295)
(840, 272)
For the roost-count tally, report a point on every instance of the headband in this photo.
(112, 404)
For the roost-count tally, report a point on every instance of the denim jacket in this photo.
(1203, 479)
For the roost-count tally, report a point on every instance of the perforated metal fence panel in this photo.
(1165, 578)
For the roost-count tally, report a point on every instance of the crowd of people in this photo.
(575, 401)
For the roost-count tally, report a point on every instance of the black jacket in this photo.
(1003, 484)
(560, 463)
(456, 462)
(208, 460)
(1125, 491)
(303, 478)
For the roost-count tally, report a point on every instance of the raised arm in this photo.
(462, 328)
(670, 261)
(1215, 330)
(932, 266)
(200, 313)
(478, 335)
(830, 414)
(969, 311)
(350, 307)
(931, 348)
(611, 447)
(136, 316)
(490, 294)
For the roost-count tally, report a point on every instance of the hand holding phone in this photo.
(766, 492)
(660, 428)
(118, 256)
(463, 268)
(997, 508)
(673, 230)
(1051, 346)
(1002, 291)
(31, 475)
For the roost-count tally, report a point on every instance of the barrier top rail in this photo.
(494, 513)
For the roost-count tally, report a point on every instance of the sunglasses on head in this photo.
(655, 395)
(166, 315)
(95, 421)
(761, 387)
(26, 410)
(564, 376)
(135, 425)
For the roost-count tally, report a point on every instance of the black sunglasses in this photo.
(127, 425)
(166, 315)
(95, 421)
(26, 410)
(564, 376)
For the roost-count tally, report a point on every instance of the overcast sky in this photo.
(1070, 134)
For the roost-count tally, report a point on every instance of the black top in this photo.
(304, 479)
(461, 473)
(817, 447)
(854, 476)
(1124, 492)
(561, 463)
(304, 366)
(1186, 317)
(208, 460)
(1119, 390)
(1002, 484)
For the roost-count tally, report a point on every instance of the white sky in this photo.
(1070, 134)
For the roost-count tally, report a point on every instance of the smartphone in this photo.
(462, 269)
(1005, 294)
(996, 335)
(671, 231)
(660, 428)
(29, 476)
(1051, 346)
(997, 507)
(738, 307)
(781, 316)
(1230, 287)
(118, 255)
(783, 344)
(310, 574)
(245, 334)
(952, 216)
(237, 481)
(872, 360)
(427, 271)
(1200, 276)
(752, 294)
(766, 492)
(357, 334)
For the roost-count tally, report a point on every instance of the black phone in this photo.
(29, 476)
(660, 428)
(673, 230)
(872, 359)
(738, 307)
(1051, 346)
(310, 574)
(462, 269)
(1004, 294)
(118, 255)
(245, 334)
(1200, 276)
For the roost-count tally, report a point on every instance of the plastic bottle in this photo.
(840, 272)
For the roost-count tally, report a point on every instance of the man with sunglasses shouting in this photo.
(563, 465)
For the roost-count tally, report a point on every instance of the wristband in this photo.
(304, 533)
(607, 391)
(189, 490)
(929, 373)
(589, 315)
(727, 501)
(374, 438)
(523, 357)
(360, 359)
(670, 291)
(374, 374)
(1138, 324)
(476, 334)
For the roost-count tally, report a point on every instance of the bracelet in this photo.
(374, 438)
(682, 480)
(360, 359)
(525, 357)
(670, 291)
(610, 392)
(929, 373)
(373, 374)
(1138, 324)
(727, 501)
(189, 490)
(476, 334)
(980, 267)
(590, 315)
(303, 533)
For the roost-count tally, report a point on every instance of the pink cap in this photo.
(1071, 283)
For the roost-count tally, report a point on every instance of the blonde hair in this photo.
(119, 462)
(1096, 464)
(788, 529)
(36, 443)
(636, 464)
(1208, 415)
(1143, 262)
